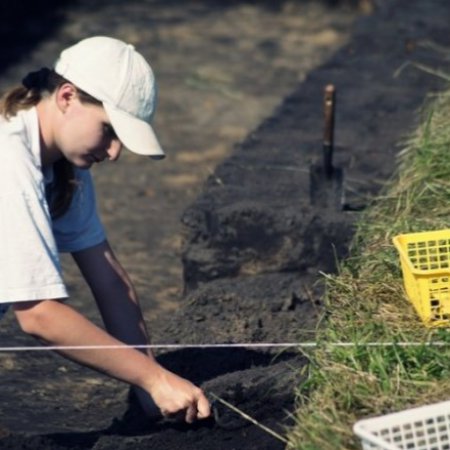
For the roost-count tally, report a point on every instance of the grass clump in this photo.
(366, 304)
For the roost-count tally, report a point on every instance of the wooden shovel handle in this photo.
(328, 104)
(328, 100)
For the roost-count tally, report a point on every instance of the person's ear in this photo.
(65, 95)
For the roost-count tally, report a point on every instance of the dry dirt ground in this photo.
(221, 238)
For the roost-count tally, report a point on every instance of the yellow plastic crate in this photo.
(425, 262)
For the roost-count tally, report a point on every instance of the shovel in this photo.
(326, 181)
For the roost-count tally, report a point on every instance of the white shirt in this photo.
(29, 240)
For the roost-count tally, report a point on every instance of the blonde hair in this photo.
(33, 89)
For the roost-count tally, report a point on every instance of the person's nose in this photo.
(114, 150)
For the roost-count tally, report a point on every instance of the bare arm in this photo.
(59, 324)
(119, 306)
(114, 293)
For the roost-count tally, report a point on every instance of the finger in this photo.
(203, 407)
(191, 413)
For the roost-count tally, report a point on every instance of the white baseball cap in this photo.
(114, 73)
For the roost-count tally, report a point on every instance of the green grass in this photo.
(366, 303)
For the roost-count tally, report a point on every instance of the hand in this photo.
(175, 395)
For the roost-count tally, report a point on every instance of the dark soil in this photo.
(244, 263)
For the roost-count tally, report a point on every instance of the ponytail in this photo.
(30, 93)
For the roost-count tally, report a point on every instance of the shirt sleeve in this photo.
(29, 263)
(80, 227)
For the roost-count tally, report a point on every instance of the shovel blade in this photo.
(326, 189)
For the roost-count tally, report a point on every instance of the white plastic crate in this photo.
(422, 428)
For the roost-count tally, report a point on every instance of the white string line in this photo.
(236, 345)
(249, 418)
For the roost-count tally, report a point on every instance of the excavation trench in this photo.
(244, 264)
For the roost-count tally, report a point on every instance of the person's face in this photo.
(84, 134)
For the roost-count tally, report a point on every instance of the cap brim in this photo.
(135, 134)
